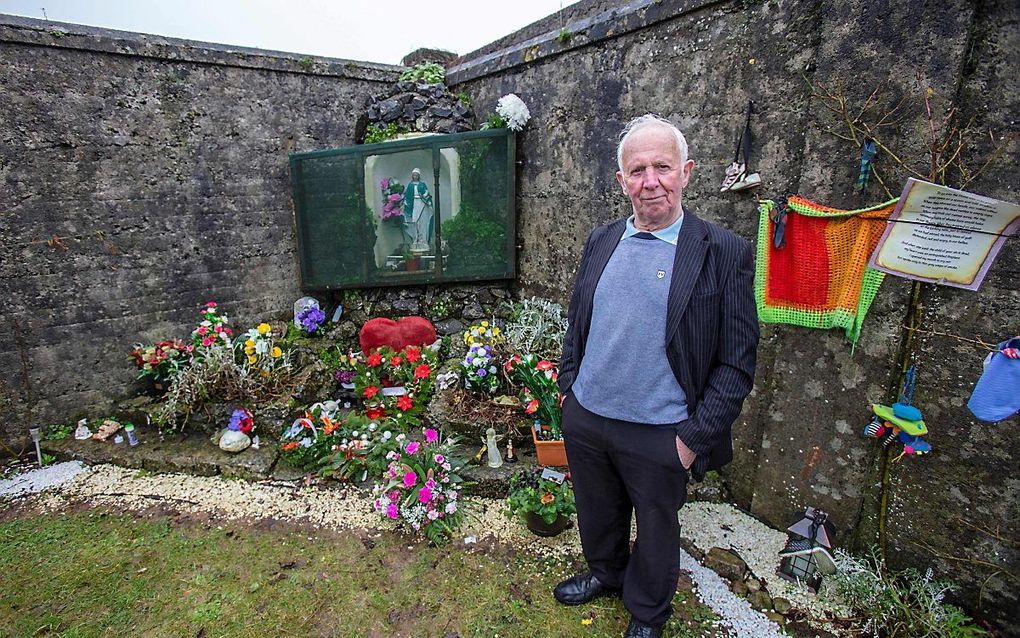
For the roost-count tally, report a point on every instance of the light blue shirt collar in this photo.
(669, 234)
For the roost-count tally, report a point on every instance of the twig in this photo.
(977, 342)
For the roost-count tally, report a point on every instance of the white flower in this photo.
(401, 436)
(513, 111)
(386, 435)
(433, 515)
(262, 347)
(306, 442)
(451, 508)
(205, 323)
(391, 455)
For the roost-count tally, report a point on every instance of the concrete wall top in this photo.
(50, 33)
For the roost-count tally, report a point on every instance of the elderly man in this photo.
(657, 360)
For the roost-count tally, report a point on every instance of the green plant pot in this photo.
(539, 527)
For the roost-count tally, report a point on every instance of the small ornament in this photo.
(510, 456)
(495, 460)
(902, 421)
(82, 432)
(118, 439)
(106, 430)
(477, 458)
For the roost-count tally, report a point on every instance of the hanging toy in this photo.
(868, 152)
(900, 422)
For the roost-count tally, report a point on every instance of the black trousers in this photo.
(618, 467)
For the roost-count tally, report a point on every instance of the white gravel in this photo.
(736, 614)
(38, 480)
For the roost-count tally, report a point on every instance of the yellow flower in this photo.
(485, 324)
(264, 328)
(276, 352)
(250, 343)
(251, 358)
(586, 621)
(495, 332)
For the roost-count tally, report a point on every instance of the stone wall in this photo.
(143, 176)
(698, 63)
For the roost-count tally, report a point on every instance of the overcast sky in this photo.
(354, 29)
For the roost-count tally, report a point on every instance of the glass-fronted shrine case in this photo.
(430, 209)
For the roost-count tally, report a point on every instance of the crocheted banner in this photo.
(819, 277)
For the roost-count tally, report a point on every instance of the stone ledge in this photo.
(606, 25)
(65, 35)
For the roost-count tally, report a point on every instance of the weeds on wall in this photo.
(537, 326)
(429, 72)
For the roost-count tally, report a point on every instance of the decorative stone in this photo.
(753, 584)
(449, 327)
(779, 619)
(231, 441)
(760, 600)
(739, 588)
(726, 563)
(781, 605)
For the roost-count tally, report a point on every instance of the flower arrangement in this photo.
(479, 367)
(241, 421)
(310, 438)
(161, 361)
(311, 319)
(511, 112)
(362, 451)
(212, 330)
(261, 351)
(383, 371)
(541, 396)
(392, 196)
(531, 493)
(420, 488)
(536, 326)
(482, 333)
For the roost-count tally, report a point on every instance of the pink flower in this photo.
(410, 479)
(202, 330)
(388, 207)
(211, 304)
(431, 436)
(391, 511)
(384, 183)
(431, 484)
(396, 197)
(207, 341)
(412, 447)
(440, 459)
(425, 495)
(218, 328)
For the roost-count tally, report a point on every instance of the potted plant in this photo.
(541, 399)
(542, 503)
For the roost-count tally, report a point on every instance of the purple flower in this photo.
(410, 479)
(431, 436)
(384, 183)
(481, 372)
(412, 447)
(396, 197)
(425, 495)
(345, 376)
(391, 511)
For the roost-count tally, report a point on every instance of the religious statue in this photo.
(418, 213)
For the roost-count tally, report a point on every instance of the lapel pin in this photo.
(660, 274)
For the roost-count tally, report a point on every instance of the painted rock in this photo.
(232, 441)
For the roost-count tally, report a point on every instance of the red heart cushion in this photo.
(409, 331)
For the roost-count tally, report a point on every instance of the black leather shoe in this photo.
(581, 589)
(637, 629)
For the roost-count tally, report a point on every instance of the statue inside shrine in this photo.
(418, 214)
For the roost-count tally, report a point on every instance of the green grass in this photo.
(101, 574)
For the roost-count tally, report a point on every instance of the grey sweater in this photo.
(625, 374)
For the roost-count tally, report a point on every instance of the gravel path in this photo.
(41, 479)
(341, 508)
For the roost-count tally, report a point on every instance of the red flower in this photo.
(226, 330)
(532, 407)
(422, 371)
(544, 365)
(211, 304)
(412, 354)
(395, 361)
(289, 446)
(371, 391)
(375, 413)
(374, 359)
(509, 365)
(404, 403)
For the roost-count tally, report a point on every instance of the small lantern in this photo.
(806, 556)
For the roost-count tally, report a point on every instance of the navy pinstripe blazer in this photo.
(711, 329)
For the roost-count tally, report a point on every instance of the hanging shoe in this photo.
(746, 181)
(734, 172)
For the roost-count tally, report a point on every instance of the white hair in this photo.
(644, 121)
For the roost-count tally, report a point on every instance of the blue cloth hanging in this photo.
(997, 393)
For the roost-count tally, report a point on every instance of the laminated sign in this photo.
(944, 236)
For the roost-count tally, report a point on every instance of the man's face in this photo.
(653, 177)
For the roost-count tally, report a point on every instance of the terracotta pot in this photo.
(549, 453)
(539, 527)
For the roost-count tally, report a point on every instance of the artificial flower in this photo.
(514, 111)
(404, 403)
(412, 354)
(277, 352)
(412, 447)
(422, 371)
(431, 436)
(410, 478)
(264, 328)
(374, 359)
(532, 407)
(547, 498)
(371, 391)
